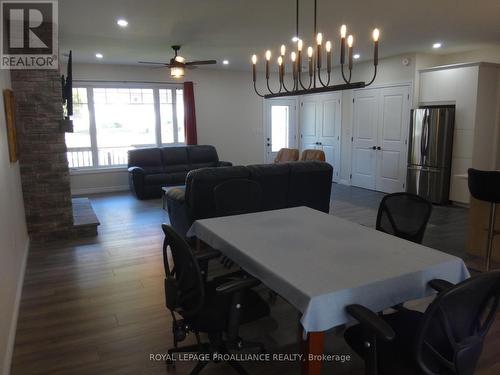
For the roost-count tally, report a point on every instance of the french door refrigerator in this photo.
(429, 152)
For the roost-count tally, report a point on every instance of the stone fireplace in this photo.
(42, 156)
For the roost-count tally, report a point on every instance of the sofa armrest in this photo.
(178, 212)
(176, 194)
(136, 170)
(136, 182)
(225, 164)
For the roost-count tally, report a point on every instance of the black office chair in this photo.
(214, 307)
(485, 186)
(447, 339)
(236, 197)
(404, 215)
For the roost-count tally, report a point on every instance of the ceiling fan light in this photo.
(177, 72)
(180, 59)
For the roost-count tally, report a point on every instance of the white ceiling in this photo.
(235, 29)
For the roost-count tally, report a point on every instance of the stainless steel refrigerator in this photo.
(429, 152)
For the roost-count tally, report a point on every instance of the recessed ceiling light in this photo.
(436, 45)
(225, 62)
(122, 23)
(99, 55)
(357, 56)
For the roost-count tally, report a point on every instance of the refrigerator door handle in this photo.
(422, 137)
(427, 133)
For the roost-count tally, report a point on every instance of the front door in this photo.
(280, 126)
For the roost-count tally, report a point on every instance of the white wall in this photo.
(13, 241)
(228, 115)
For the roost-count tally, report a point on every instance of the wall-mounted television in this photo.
(67, 88)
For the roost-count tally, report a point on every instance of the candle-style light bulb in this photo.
(343, 31)
(293, 56)
(319, 39)
(268, 55)
(280, 60)
(300, 44)
(328, 48)
(376, 35)
(254, 61)
(283, 50)
(350, 41)
(310, 54)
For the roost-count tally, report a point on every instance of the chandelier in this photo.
(314, 81)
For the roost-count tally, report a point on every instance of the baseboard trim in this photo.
(343, 181)
(13, 326)
(97, 190)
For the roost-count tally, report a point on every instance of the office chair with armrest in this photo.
(215, 307)
(404, 215)
(447, 339)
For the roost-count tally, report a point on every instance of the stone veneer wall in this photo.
(42, 154)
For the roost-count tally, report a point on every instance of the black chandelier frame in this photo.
(315, 83)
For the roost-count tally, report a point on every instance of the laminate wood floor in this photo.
(96, 306)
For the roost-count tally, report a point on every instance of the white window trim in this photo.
(90, 85)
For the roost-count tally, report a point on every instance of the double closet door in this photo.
(320, 126)
(380, 137)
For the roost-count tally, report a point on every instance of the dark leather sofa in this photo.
(285, 185)
(152, 168)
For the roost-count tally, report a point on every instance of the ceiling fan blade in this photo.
(202, 62)
(152, 63)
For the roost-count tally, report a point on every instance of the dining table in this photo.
(321, 263)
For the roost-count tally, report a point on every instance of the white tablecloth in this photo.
(321, 263)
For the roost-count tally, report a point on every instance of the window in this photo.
(110, 121)
(280, 125)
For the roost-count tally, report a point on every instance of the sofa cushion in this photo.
(274, 181)
(310, 185)
(148, 159)
(175, 159)
(200, 186)
(203, 154)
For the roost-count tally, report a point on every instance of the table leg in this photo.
(312, 344)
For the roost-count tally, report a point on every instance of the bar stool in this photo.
(485, 186)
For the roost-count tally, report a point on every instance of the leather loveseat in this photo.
(284, 185)
(152, 168)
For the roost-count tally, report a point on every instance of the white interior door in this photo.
(308, 123)
(280, 126)
(394, 109)
(320, 127)
(330, 128)
(364, 139)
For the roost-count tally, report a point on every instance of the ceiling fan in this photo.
(178, 64)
